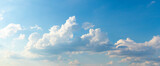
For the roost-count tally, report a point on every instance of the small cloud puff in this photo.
(74, 63)
(109, 63)
(36, 27)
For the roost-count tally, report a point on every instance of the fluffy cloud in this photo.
(137, 52)
(9, 30)
(95, 37)
(60, 39)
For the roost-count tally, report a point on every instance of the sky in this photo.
(79, 32)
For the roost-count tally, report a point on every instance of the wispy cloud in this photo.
(151, 3)
(36, 27)
(87, 25)
(1, 15)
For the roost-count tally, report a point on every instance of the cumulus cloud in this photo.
(36, 27)
(95, 37)
(60, 39)
(9, 30)
(87, 25)
(137, 52)
(57, 35)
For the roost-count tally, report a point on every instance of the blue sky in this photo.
(79, 32)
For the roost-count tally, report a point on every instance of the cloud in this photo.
(109, 63)
(9, 30)
(146, 63)
(21, 37)
(36, 27)
(60, 39)
(74, 63)
(95, 37)
(87, 25)
(57, 35)
(1, 15)
(137, 52)
(151, 3)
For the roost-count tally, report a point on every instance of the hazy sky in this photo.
(79, 33)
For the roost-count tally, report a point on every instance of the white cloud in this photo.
(1, 15)
(9, 30)
(137, 52)
(36, 27)
(21, 37)
(74, 63)
(87, 25)
(96, 37)
(57, 35)
(146, 63)
(33, 38)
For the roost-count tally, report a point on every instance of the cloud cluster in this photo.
(137, 52)
(60, 39)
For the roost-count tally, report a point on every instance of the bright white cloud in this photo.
(57, 35)
(96, 37)
(60, 40)
(33, 38)
(9, 30)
